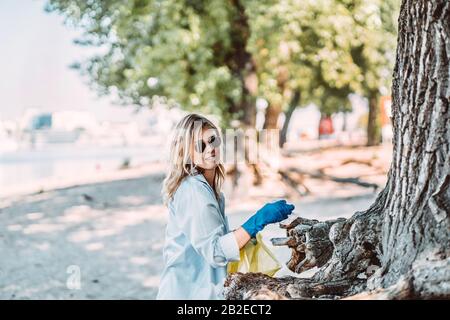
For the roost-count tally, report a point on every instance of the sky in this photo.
(36, 50)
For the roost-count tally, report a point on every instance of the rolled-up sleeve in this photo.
(229, 246)
(200, 219)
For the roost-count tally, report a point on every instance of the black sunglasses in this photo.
(213, 141)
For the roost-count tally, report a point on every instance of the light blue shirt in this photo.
(198, 243)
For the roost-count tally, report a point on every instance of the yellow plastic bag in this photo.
(255, 257)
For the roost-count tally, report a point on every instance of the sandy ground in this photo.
(112, 231)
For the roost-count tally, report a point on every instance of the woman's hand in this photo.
(269, 213)
(275, 211)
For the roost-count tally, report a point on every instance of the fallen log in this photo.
(321, 149)
(293, 185)
(366, 162)
(323, 176)
(258, 286)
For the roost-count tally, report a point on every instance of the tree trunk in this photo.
(400, 246)
(274, 109)
(271, 118)
(242, 65)
(416, 215)
(288, 115)
(373, 121)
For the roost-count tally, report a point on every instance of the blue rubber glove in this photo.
(270, 213)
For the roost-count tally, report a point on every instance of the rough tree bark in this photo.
(400, 247)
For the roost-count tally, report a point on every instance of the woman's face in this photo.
(206, 149)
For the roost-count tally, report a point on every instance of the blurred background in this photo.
(91, 91)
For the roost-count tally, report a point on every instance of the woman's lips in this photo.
(211, 156)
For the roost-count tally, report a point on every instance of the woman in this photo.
(199, 243)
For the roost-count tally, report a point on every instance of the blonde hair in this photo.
(181, 163)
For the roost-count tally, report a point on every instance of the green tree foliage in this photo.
(219, 56)
(327, 49)
(183, 50)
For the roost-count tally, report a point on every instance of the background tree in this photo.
(374, 31)
(400, 246)
(301, 62)
(325, 50)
